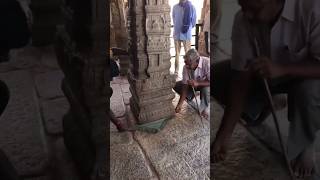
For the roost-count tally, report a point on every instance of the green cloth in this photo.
(152, 127)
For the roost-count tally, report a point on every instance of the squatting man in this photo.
(196, 73)
(287, 33)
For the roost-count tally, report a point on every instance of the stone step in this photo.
(21, 137)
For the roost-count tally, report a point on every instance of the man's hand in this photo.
(193, 83)
(267, 69)
(178, 108)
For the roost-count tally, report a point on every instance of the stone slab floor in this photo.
(179, 151)
(31, 125)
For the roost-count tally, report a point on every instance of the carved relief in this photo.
(158, 43)
(158, 23)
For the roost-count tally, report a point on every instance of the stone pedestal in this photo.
(149, 77)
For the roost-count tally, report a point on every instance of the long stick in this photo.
(194, 94)
(275, 118)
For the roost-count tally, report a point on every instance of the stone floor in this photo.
(254, 152)
(31, 125)
(247, 157)
(179, 151)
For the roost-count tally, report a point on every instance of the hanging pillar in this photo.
(81, 48)
(149, 76)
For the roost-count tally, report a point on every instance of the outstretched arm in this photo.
(237, 94)
(305, 69)
(182, 97)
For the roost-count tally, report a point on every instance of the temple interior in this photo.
(64, 117)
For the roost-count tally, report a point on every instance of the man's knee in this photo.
(221, 74)
(178, 87)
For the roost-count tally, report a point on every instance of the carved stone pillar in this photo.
(118, 33)
(81, 49)
(149, 77)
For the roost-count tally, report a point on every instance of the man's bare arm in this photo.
(182, 97)
(237, 94)
(307, 70)
(204, 83)
(269, 69)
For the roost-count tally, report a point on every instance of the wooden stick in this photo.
(275, 118)
(194, 94)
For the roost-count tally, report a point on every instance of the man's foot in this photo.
(178, 109)
(121, 127)
(219, 150)
(205, 114)
(303, 165)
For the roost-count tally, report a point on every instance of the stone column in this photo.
(149, 77)
(81, 48)
(118, 33)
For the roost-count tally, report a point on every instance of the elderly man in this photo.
(196, 73)
(184, 19)
(286, 33)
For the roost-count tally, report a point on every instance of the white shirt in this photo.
(201, 73)
(294, 37)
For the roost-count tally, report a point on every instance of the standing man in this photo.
(196, 73)
(287, 34)
(184, 19)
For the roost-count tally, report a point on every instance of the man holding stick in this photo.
(287, 34)
(196, 74)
